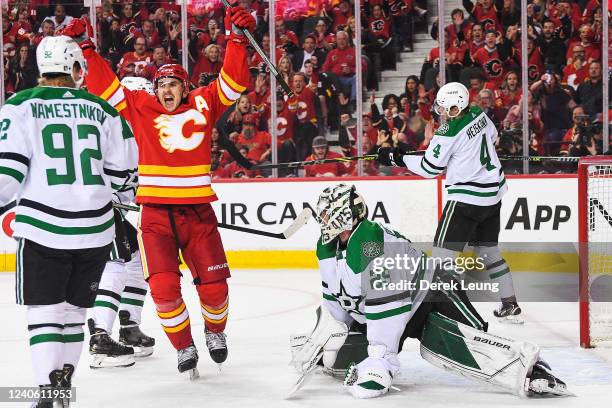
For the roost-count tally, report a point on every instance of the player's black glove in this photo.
(390, 156)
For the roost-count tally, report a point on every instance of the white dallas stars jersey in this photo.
(63, 152)
(355, 281)
(465, 147)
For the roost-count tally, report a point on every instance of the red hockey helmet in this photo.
(172, 71)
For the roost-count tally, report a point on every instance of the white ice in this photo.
(265, 307)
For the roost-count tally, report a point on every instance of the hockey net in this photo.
(595, 250)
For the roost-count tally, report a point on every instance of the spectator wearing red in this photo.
(576, 71)
(257, 142)
(23, 20)
(378, 42)
(578, 117)
(285, 38)
(510, 92)
(140, 57)
(235, 170)
(324, 40)
(59, 18)
(159, 58)
(340, 15)
(47, 29)
(592, 52)
(260, 96)
(320, 152)
(212, 35)
(302, 106)
(460, 28)
(476, 38)
(485, 13)
(11, 33)
(535, 61)
(129, 16)
(150, 34)
(491, 57)
(341, 63)
(207, 66)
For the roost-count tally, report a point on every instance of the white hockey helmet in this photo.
(134, 83)
(57, 55)
(453, 94)
(339, 208)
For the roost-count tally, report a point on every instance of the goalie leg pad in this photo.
(372, 377)
(353, 351)
(478, 355)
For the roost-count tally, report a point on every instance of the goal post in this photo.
(595, 249)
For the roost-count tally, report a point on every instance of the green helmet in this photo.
(339, 208)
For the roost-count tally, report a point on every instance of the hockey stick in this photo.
(297, 164)
(568, 159)
(263, 56)
(298, 223)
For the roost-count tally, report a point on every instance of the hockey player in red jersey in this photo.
(174, 128)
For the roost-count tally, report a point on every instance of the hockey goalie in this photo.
(364, 318)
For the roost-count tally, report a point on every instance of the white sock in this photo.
(45, 327)
(135, 291)
(108, 297)
(73, 334)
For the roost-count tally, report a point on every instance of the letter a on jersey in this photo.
(172, 130)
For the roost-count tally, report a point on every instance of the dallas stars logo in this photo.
(348, 302)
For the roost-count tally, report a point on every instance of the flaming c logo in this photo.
(172, 130)
(6, 224)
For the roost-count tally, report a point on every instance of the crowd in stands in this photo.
(315, 54)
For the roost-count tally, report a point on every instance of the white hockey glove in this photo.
(324, 341)
(373, 376)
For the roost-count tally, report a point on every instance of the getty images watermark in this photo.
(397, 273)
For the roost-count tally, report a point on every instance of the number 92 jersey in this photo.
(63, 153)
(465, 147)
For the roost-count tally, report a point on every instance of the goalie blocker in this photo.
(452, 334)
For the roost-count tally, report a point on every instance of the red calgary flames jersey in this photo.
(174, 147)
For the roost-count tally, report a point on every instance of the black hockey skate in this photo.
(509, 312)
(131, 335)
(188, 361)
(60, 381)
(217, 346)
(543, 383)
(105, 351)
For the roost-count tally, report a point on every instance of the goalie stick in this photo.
(298, 223)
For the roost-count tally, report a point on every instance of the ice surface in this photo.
(265, 307)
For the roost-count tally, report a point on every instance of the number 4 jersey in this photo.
(465, 147)
(63, 152)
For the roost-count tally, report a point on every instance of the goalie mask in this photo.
(339, 208)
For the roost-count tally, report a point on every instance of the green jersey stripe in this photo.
(17, 175)
(474, 193)
(388, 313)
(329, 297)
(61, 230)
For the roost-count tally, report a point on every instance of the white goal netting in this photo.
(599, 195)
